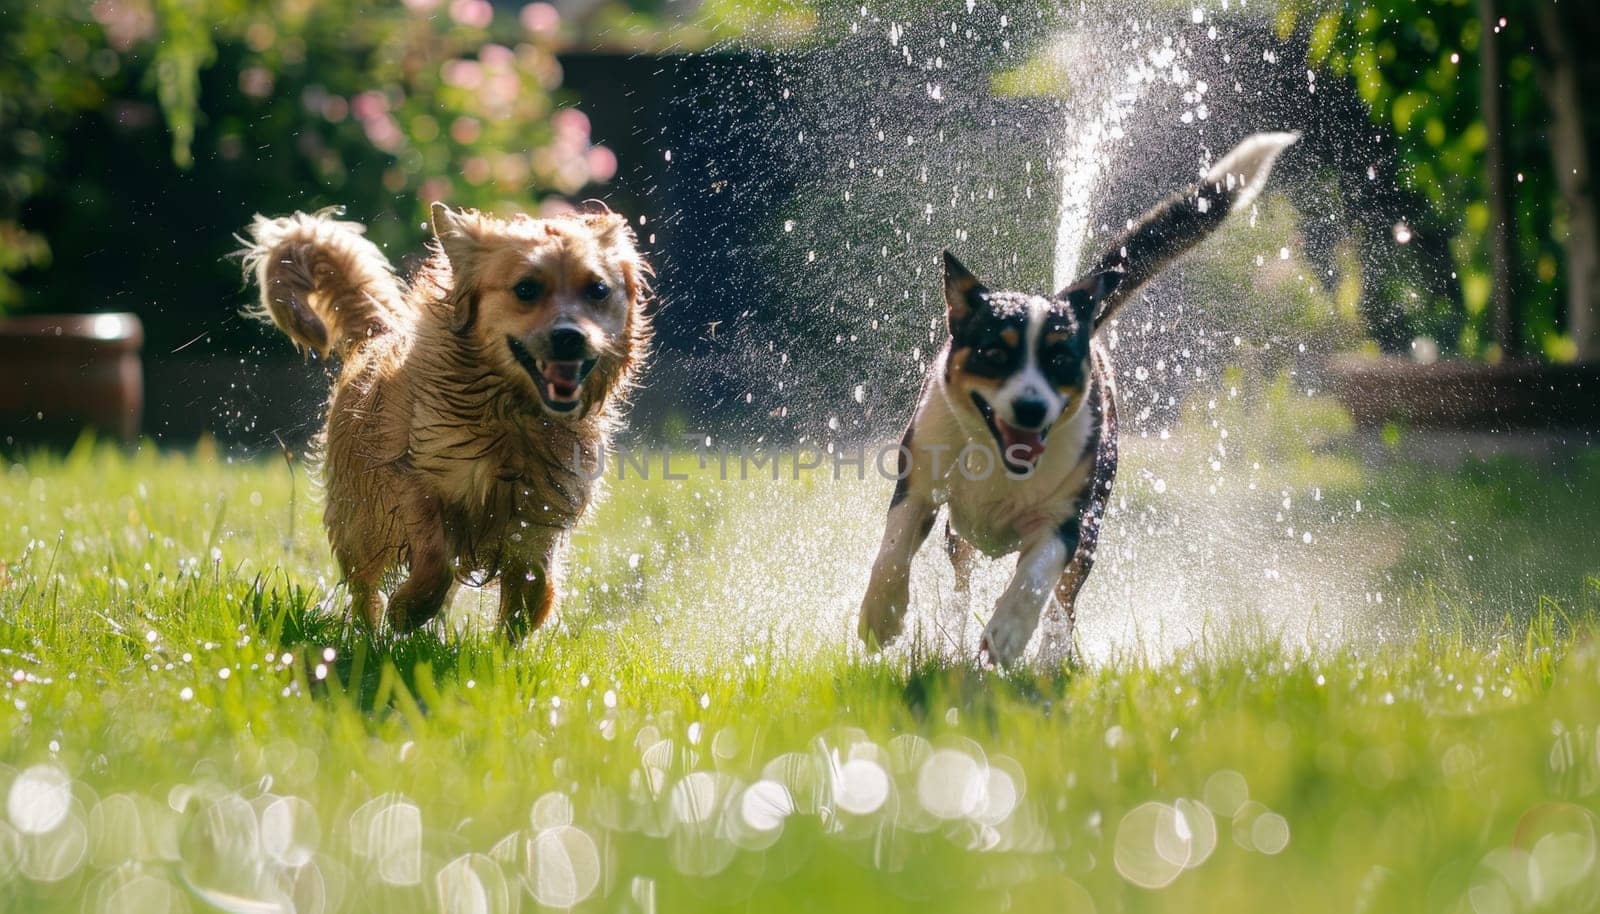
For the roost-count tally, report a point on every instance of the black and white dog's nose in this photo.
(1028, 412)
(568, 344)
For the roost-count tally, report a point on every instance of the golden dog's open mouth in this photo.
(560, 383)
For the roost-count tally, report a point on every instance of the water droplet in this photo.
(950, 784)
(861, 787)
(39, 799)
(563, 867)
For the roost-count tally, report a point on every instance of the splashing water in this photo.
(1209, 536)
(930, 155)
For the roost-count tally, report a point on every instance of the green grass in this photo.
(183, 729)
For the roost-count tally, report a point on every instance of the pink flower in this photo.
(602, 164)
(497, 57)
(511, 170)
(475, 14)
(571, 174)
(383, 132)
(335, 108)
(126, 23)
(546, 69)
(475, 169)
(571, 127)
(463, 74)
(501, 89)
(256, 82)
(434, 189)
(465, 130)
(369, 105)
(540, 18)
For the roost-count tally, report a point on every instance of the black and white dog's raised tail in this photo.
(1016, 427)
(1183, 219)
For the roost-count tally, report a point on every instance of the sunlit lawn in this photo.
(185, 729)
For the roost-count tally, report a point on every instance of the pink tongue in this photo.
(560, 372)
(562, 379)
(1020, 446)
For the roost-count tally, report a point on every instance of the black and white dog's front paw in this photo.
(1007, 634)
(883, 613)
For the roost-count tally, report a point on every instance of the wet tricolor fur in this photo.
(1016, 428)
(464, 395)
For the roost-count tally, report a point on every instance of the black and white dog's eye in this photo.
(1063, 361)
(597, 291)
(528, 290)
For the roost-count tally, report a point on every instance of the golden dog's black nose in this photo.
(568, 344)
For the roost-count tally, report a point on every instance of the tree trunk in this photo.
(1502, 301)
(1561, 78)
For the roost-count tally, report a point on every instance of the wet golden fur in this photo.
(441, 454)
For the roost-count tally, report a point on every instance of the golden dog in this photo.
(465, 394)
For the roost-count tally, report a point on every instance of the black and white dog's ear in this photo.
(1085, 295)
(963, 293)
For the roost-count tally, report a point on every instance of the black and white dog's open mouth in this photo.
(1027, 444)
(560, 384)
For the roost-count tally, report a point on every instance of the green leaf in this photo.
(183, 48)
(1323, 35)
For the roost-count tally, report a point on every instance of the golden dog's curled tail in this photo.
(322, 281)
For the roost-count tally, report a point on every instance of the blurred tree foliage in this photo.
(380, 106)
(1414, 63)
(675, 26)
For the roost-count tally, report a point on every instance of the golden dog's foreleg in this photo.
(366, 601)
(528, 587)
(527, 595)
(423, 594)
(362, 561)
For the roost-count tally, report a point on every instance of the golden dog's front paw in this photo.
(408, 613)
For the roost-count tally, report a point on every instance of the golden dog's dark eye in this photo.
(597, 291)
(528, 290)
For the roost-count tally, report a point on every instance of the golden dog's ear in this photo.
(458, 232)
(636, 276)
(614, 232)
(963, 293)
(606, 225)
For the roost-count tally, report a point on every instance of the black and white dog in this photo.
(1016, 429)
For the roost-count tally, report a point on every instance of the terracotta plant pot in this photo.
(1468, 396)
(60, 373)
